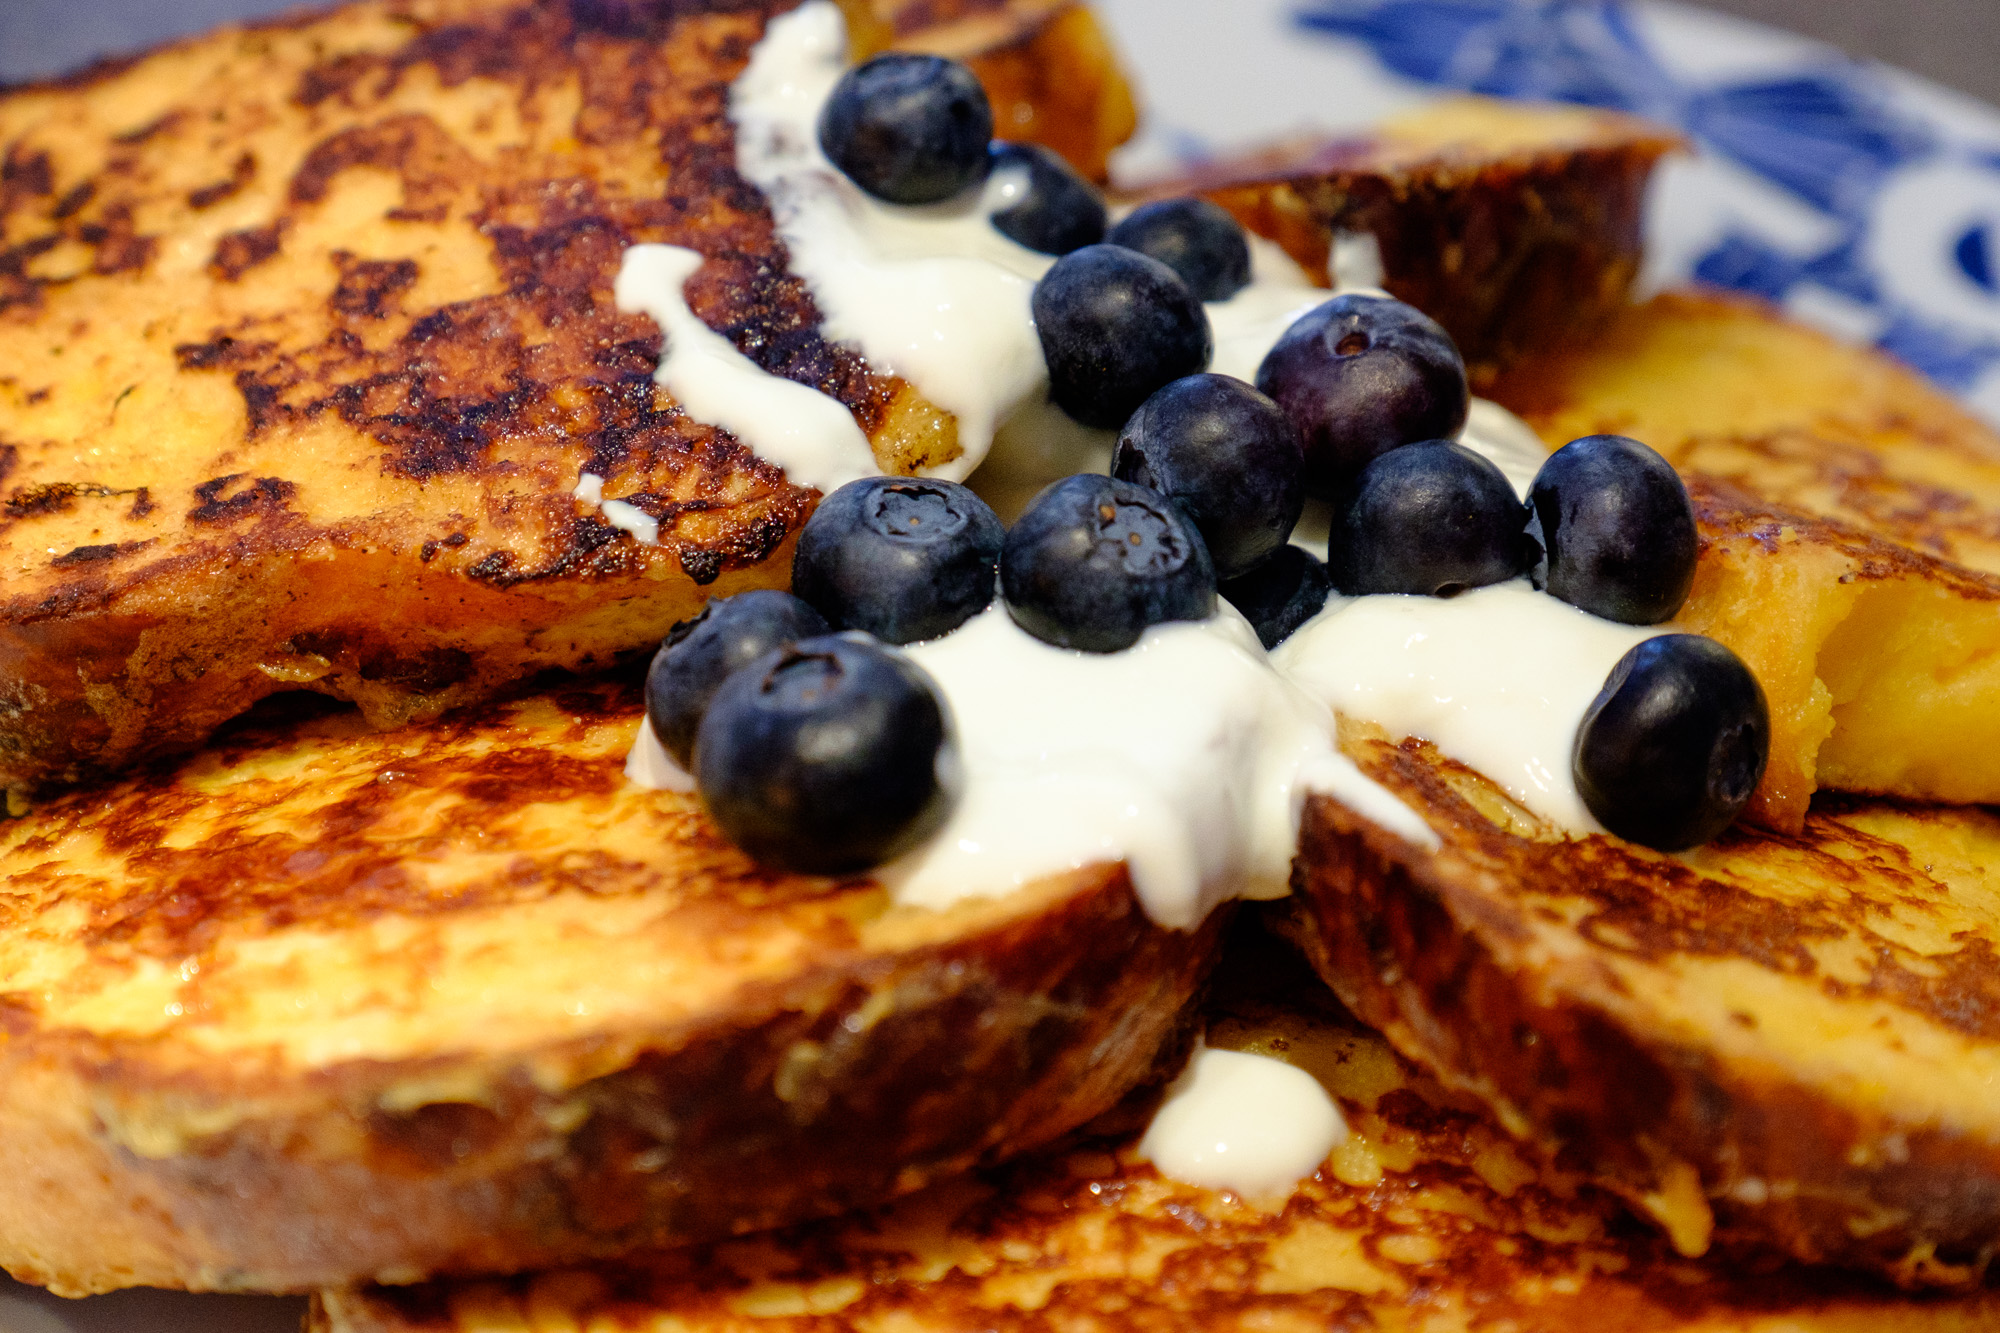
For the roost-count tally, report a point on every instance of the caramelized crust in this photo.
(1429, 1219)
(322, 1006)
(1516, 227)
(307, 332)
(1769, 1041)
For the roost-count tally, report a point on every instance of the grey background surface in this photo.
(1956, 42)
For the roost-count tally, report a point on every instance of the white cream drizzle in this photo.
(1245, 1123)
(1497, 678)
(629, 518)
(1185, 756)
(936, 294)
(813, 437)
(650, 766)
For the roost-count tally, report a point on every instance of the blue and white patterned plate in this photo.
(1862, 199)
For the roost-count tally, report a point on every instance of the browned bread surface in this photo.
(307, 332)
(1727, 387)
(1429, 1220)
(1785, 1041)
(322, 1005)
(1851, 529)
(1516, 227)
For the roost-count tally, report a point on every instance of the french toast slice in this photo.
(1428, 1218)
(1516, 226)
(1851, 528)
(307, 334)
(322, 1005)
(1785, 1041)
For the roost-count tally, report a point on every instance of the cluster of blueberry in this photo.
(819, 749)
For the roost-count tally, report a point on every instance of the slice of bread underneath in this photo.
(323, 1005)
(1786, 1041)
(1428, 1218)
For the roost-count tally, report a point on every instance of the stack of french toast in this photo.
(341, 956)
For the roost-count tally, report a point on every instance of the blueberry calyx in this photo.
(1095, 561)
(1194, 237)
(1428, 519)
(1280, 595)
(1361, 375)
(908, 129)
(1115, 326)
(1227, 456)
(902, 558)
(1617, 526)
(1059, 213)
(699, 654)
(823, 757)
(1673, 747)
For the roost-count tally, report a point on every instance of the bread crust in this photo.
(321, 1006)
(1736, 1040)
(1516, 227)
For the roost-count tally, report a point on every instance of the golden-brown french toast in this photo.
(1881, 663)
(322, 1005)
(1727, 387)
(1427, 1219)
(1851, 527)
(307, 332)
(1778, 1040)
(1515, 226)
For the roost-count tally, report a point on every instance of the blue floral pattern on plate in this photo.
(1913, 210)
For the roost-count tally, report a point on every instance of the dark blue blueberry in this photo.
(822, 757)
(1096, 560)
(1193, 237)
(1227, 456)
(1281, 594)
(1362, 375)
(910, 129)
(1115, 326)
(902, 558)
(1615, 521)
(1061, 211)
(699, 654)
(1671, 750)
(1430, 519)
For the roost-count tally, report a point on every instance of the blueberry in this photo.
(1362, 375)
(1059, 213)
(822, 757)
(1116, 325)
(907, 128)
(1281, 594)
(699, 654)
(901, 558)
(1673, 746)
(1227, 456)
(1431, 519)
(1618, 528)
(1096, 560)
(1193, 237)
